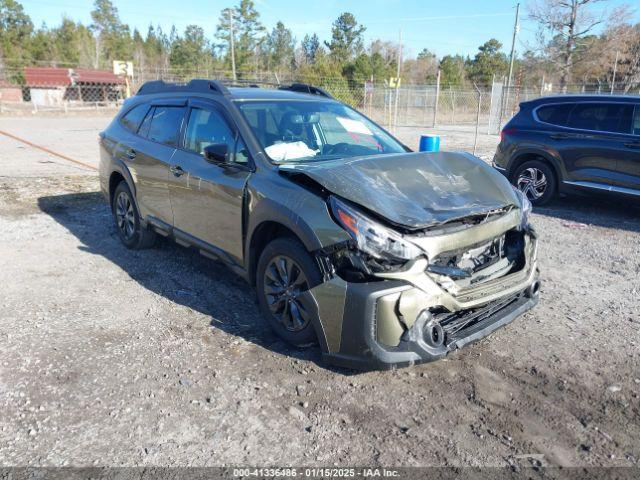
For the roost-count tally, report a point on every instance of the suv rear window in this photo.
(132, 120)
(602, 117)
(163, 125)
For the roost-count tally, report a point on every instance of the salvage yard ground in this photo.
(160, 357)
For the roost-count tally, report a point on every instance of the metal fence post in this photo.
(437, 99)
(426, 102)
(493, 81)
(475, 138)
(452, 96)
(406, 114)
(503, 100)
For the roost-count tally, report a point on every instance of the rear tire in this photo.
(285, 269)
(127, 219)
(537, 180)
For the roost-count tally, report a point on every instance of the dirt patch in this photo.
(160, 357)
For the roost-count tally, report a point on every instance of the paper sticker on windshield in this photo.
(354, 126)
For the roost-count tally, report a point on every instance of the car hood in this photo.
(414, 190)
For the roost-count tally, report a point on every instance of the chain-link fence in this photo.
(476, 111)
(61, 89)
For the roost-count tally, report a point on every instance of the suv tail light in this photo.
(505, 132)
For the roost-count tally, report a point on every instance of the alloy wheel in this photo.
(532, 182)
(125, 216)
(284, 281)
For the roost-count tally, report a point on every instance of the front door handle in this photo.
(131, 154)
(176, 170)
(632, 145)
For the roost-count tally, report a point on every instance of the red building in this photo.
(52, 86)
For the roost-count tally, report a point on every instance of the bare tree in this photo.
(624, 40)
(562, 24)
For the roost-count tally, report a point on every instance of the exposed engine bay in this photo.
(500, 256)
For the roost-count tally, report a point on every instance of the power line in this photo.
(441, 17)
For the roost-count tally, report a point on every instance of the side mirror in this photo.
(217, 153)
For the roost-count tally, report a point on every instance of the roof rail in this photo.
(195, 86)
(306, 88)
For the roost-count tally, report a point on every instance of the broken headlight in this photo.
(525, 208)
(371, 237)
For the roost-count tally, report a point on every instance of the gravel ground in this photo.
(159, 357)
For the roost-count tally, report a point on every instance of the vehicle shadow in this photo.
(600, 210)
(178, 274)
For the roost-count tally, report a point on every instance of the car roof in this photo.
(253, 93)
(575, 98)
(199, 87)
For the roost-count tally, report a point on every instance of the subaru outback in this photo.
(382, 256)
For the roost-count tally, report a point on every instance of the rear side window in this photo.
(555, 114)
(163, 125)
(602, 117)
(132, 120)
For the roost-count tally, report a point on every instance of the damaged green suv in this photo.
(383, 256)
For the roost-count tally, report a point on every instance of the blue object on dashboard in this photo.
(429, 143)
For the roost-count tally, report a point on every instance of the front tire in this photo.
(127, 220)
(285, 270)
(537, 180)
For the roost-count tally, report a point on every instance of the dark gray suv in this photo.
(382, 256)
(573, 144)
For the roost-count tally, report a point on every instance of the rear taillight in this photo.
(506, 132)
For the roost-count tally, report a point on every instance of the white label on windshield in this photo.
(354, 126)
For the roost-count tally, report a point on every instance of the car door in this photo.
(207, 198)
(149, 157)
(629, 162)
(594, 142)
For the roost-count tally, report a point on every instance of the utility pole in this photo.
(615, 68)
(516, 27)
(395, 108)
(231, 44)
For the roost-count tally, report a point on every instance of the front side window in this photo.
(306, 130)
(163, 125)
(602, 117)
(205, 128)
(132, 120)
(241, 154)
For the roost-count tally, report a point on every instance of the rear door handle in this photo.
(559, 136)
(131, 154)
(632, 145)
(176, 170)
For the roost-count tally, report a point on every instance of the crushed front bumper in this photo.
(411, 318)
(359, 339)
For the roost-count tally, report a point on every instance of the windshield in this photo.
(295, 131)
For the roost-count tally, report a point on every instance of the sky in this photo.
(458, 26)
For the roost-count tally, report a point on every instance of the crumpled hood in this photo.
(415, 190)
